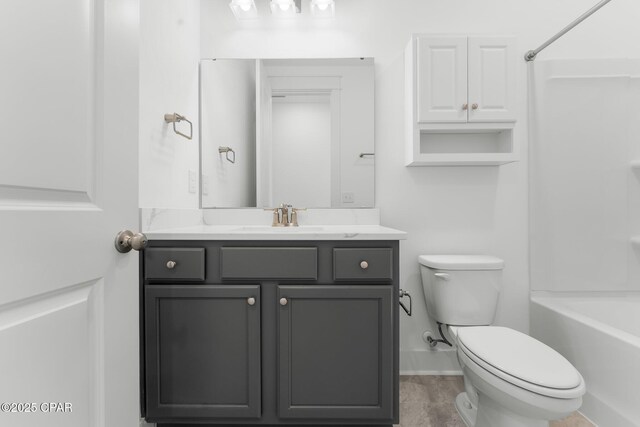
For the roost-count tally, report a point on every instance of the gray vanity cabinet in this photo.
(335, 355)
(203, 351)
(270, 333)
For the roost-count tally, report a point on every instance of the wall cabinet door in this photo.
(442, 79)
(492, 74)
(335, 354)
(202, 351)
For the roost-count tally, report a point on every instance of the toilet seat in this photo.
(520, 360)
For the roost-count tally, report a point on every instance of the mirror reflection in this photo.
(296, 131)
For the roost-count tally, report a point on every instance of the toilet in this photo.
(511, 379)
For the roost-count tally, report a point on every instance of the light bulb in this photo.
(323, 8)
(243, 9)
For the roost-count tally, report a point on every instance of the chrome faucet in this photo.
(281, 216)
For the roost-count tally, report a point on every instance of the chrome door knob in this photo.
(465, 106)
(171, 265)
(251, 301)
(364, 265)
(474, 106)
(283, 301)
(126, 240)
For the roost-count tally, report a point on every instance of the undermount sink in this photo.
(270, 229)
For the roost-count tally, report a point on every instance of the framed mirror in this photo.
(296, 131)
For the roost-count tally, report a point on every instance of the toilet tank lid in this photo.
(461, 262)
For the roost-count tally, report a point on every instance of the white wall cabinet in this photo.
(464, 79)
(465, 86)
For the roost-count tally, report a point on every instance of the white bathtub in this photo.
(600, 335)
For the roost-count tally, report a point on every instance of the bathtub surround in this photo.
(585, 196)
(585, 269)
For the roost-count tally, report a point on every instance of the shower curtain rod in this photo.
(531, 55)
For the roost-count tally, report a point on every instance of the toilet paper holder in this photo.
(403, 294)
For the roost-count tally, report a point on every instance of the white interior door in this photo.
(492, 79)
(68, 184)
(442, 79)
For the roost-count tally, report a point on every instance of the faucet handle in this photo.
(276, 216)
(294, 216)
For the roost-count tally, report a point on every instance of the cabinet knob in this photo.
(171, 265)
(364, 265)
(283, 301)
(474, 106)
(251, 301)
(465, 106)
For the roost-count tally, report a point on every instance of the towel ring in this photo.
(228, 150)
(177, 118)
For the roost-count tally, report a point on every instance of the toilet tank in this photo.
(461, 289)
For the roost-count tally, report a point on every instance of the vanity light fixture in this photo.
(323, 8)
(244, 9)
(285, 8)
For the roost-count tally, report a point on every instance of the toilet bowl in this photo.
(511, 379)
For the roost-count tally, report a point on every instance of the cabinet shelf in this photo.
(462, 145)
(464, 160)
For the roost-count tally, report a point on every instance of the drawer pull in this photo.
(251, 301)
(364, 265)
(171, 265)
(283, 301)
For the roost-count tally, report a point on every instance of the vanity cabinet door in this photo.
(335, 352)
(202, 346)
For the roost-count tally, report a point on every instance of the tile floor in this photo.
(427, 401)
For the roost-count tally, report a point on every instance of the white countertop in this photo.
(259, 232)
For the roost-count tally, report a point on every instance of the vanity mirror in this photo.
(299, 131)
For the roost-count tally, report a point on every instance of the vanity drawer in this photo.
(269, 263)
(363, 264)
(174, 264)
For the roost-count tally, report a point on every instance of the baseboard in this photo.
(429, 362)
(588, 419)
(432, 373)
